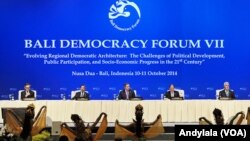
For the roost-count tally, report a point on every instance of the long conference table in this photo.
(178, 111)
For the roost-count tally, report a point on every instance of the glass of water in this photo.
(63, 96)
(162, 96)
(11, 96)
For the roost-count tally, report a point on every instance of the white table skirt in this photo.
(172, 111)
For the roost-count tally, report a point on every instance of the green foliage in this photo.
(44, 136)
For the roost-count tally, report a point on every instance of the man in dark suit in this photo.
(27, 93)
(171, 93)
(81, 94)
(226, 92)
(126, 93)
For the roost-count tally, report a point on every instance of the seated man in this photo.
(126, 93)
(171, 93)
(27, 93)
(226, 92)
(81, 94)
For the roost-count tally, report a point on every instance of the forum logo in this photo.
(124, 15)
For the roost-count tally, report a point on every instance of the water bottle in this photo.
(11, 96)
(114, 96)
(63, 96)
(162, 96)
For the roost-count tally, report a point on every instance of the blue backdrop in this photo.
(39, 20)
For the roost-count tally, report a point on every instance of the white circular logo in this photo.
(124, 15)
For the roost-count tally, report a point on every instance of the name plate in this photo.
(177, 98)
(225, 98)
(82, 99)
(29, 99)
(136, 99)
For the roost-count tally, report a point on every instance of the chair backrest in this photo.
(217, 93)
(20, 91)
(181, 92)
(74, 92)
(135, 92)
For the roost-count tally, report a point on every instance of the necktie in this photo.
(27, 94)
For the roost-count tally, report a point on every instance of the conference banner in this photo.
(58, 45)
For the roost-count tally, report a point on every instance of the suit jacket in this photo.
(168, 94)
(122, 94)
(223, 94)
(78, 95)
(23, 94)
